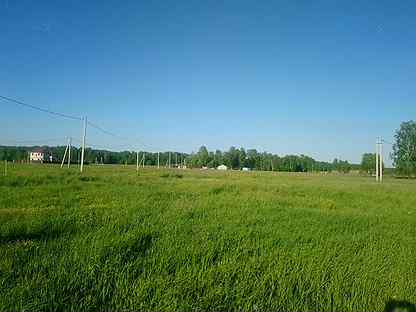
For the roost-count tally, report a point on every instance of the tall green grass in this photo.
(163, 240)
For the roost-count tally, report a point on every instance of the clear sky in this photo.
(323, 78)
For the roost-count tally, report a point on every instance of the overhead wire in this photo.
(384, 141)
(110, 133)
(72, 117)
(31, 141)
(44, 110)
(99, 146)
(103, 130)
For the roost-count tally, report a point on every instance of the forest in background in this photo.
(234, 158)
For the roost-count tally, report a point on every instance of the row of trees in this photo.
(92, 156)
(238, 158)
(404, 157)
(234, 158)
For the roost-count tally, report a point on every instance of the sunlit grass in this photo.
(203, 240)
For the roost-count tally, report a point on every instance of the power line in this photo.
(103, 130)
(31, 141)
(110, 133)
(40, 108)
(384, 141)
(100, 147)
(93, 125)
(114, 134)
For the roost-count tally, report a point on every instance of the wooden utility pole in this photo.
(83, 143)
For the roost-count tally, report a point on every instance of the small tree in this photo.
(368, 163)
(342, 166)
(203, 156)
(404, 148)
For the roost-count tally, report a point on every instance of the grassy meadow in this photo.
(180, 240)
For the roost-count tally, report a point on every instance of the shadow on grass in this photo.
(172, 175)
(128, 250)
(42, 231)
(399, 306)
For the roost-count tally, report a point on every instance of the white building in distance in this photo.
(222, 167)
(37, 155)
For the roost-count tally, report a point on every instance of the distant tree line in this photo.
(92, 156)
(234, 158)
(238, 158)
(404, 157)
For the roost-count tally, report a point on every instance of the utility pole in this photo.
(63, 159)
(83, 143)
(169, 160)
(377, 161)
(137, 161)
(69, 151)
(176, 155)
(158, 160)
(381, 160)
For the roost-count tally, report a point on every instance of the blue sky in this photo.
(323, 78)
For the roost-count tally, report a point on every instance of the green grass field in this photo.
(203, 240)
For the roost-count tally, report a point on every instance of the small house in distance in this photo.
(37, 155)
(222, 167)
